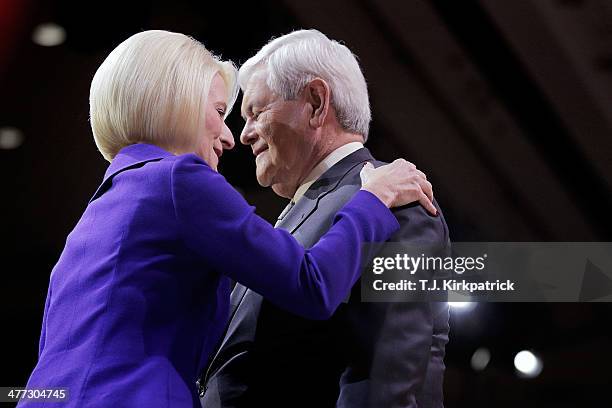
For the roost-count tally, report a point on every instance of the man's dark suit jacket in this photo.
(381, 355)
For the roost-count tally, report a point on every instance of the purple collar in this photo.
(127, 157)
(134, 154)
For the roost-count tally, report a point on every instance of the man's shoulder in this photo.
(417, 224)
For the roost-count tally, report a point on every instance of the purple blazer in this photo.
(140, 295)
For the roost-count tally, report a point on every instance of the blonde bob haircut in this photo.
(152, 89)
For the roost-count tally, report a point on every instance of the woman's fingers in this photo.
(398, 183)
(426, 187)
(414, 192)
(422, 190)
(427, 204)
(421, 179)
(366, 172)
(405, 163)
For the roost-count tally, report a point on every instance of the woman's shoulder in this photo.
(195, 185)
(187, 159)
(189, 165)
(192, 176)
(178, 166)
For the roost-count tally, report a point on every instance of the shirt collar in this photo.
(328, 162)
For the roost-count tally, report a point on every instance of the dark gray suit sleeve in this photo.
(408, 361)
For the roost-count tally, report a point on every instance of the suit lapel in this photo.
(326, 184)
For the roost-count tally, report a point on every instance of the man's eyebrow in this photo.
(244, 111)
(247, 108)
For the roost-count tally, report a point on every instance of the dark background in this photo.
(504, 104)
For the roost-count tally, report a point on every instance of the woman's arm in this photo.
(217, 224)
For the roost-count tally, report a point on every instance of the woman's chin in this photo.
(211, 159)
(213, 162)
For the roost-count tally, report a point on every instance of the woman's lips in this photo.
(218, 152)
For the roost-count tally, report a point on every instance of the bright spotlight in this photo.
(527, 364)
(10, 138)
(49, 35)
(480, 359)
(462, 306)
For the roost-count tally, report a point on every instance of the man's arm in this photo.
(403, 342)
(407, 365)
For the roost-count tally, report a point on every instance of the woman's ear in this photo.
(317, 94)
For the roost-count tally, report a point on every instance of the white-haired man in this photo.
(307, 116)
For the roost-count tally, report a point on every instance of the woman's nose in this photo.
(227, 138)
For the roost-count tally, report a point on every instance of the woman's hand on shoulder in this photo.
(398, 183)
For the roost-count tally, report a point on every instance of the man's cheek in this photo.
(266, 130)
(261, 161)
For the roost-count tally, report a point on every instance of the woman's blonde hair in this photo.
(152, 89)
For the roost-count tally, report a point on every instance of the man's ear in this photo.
(317, 94)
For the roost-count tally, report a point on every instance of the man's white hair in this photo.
(297, 58)
(153, 89)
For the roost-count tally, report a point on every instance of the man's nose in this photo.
(227, 138)
(248, 135)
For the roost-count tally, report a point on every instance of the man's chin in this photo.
(262, 179)
(281, 189)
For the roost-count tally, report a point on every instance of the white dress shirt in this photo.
(328, 162)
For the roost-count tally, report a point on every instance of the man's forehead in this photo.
(256, 83)
(256, 88)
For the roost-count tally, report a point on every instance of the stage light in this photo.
(462, 306)
(480, 359)
(49, 35)
(10, 138)
(527, 364)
